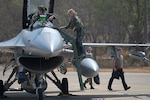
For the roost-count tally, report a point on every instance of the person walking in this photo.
(89, 80)
(118, 71)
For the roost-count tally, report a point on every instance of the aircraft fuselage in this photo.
(44, 42)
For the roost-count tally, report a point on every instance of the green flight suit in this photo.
(76, 23)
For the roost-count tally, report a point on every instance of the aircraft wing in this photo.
(106, 44)
(115, 44)
(10, 45)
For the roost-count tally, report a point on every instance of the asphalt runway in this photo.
(139, 82)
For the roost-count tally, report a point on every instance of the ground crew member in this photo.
(118, 71)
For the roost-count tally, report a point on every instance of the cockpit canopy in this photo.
(34, 4)
(30, 7)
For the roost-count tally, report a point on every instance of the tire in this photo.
(64, 86)
(1, 88)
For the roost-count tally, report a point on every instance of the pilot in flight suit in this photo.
(77, 26)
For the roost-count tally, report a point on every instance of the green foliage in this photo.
(10, 15)
(104, 20)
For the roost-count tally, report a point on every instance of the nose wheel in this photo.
(64, 86)
(2, 90)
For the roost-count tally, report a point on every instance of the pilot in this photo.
(41, 17)
(77, 26)
(118, 71)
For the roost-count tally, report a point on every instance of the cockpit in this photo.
(42, 21)
(31, 9)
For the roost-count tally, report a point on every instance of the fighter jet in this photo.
(37, 52)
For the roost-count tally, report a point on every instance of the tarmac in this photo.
(139, 82)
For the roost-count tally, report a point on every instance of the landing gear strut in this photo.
(63, 86)
(2, 90)
(39, 93)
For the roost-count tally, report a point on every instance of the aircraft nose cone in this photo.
(49, 40)
(89, 67)
(54, 42)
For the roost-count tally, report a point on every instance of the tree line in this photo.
(123, 21)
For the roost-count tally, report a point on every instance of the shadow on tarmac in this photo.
(27, 96)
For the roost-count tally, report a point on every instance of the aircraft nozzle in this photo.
(89, 67)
